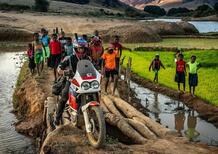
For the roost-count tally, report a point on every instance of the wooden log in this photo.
(142, 129)
(110, 105)
(131, 113)
(125, 128)
(104, 108)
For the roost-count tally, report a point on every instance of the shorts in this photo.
(180, 77)
(32, 64)
(156, 71)
(111, 73)
(193, 79)
(55, 60)
(46, 52)
(39, 57)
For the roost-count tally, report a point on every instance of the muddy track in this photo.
(68, 139)
(206, 111)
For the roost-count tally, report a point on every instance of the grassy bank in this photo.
(202, 43)
(208, 73)
(22, 75)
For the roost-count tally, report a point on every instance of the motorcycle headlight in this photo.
(95, 84)
(85, 85)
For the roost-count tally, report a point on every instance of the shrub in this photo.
(181, 11)
(216, 8)
(76, 1)
(9, 7)
(203, 10)
(41, 5)
(155, 10)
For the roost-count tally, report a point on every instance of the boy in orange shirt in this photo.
(109, 62)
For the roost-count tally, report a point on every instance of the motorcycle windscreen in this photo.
(86, 69)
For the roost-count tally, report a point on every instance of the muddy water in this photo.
(10, 140)
(174, 115)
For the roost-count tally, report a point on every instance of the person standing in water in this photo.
(155, 65)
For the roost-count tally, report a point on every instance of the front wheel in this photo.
(97, 135)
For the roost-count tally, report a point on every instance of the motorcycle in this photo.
(84, 100)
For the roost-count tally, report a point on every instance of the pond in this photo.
(202, 26)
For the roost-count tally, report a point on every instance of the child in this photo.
(68, 48)
(118, 47)
(180, 71)
(38, 50)
(45, 40)
(109, 62)
(55, 48)
(30, 55)
(155, 65)
(193, 76)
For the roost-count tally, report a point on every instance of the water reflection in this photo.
(176, 116)
(191, 132)
(179, 121)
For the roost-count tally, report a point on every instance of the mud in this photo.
(67, 139)
(206, 111)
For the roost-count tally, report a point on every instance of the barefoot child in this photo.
(30, 55)
(56, 53)
(155, 65)
(180, 71)
(193, 66)
(109, 62)
(38, 50)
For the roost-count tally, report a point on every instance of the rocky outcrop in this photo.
(149, 31)
(8, 33)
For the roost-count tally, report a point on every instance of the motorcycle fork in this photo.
(85, 114)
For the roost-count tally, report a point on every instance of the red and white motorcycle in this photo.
(84, 100)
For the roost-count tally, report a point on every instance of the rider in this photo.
(80, 46)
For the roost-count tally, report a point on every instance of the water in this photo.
(176, 116)
(10, 140)
(202, 26)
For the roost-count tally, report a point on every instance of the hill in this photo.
(167, 4)
(93, 7)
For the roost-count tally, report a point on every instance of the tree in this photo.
(155, 10)
(178, 11)
(203, 10)
(216, 8)
(76, 1)
(41, 5)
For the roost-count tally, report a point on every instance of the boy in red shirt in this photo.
(180, 71)
(118, 47)
(109, 62)
(55, 48)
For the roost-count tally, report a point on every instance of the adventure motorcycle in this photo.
(84, 100)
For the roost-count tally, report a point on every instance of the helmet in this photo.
(80, 43)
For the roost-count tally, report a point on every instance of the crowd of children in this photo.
(53, 50)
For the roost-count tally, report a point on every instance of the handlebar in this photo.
(68, 73)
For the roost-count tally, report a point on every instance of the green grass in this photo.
(200, 43)
(208, 73)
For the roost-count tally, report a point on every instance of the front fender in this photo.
(92, 103)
